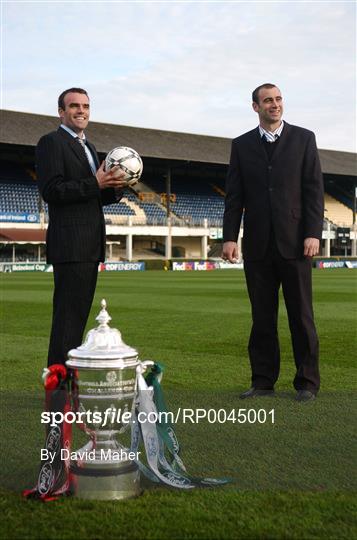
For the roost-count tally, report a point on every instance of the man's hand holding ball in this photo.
(114, 178)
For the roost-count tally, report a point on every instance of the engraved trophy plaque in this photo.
(104, 386)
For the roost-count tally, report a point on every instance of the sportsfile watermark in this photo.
(112, 416)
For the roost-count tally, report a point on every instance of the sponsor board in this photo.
(183, 266)
(43, 267)
(188, 266)
(336, 264)
(121, 266)
(25, 267)
(205, 265)
(19, 218)
(229, 266)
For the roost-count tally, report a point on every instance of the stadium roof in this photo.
(20, 128)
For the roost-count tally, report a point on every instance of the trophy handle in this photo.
(141, 368)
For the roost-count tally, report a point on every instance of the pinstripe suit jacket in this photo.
(76, 230)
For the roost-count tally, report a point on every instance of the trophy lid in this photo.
(103, 347)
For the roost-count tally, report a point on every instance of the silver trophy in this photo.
(104, 388)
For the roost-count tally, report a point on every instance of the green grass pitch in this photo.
(295, 478)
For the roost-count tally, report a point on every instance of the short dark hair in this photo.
(255, 94)
(61, 104)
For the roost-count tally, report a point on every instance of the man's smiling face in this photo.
(75, 114)
(270, 106)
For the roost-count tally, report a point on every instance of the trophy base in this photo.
(106, 484)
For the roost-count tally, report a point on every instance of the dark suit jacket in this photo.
(284, 195)
(76, 230)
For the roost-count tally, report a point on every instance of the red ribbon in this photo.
(56, 374)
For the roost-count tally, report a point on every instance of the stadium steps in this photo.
(337, 213)
(150, 203)
(218, 190)
(142, 188)
(157, 193)
(140, 216)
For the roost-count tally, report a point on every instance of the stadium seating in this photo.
(195, 208)
(193, 201)
(18, 191)
(337, 213)
(18, 197)
(149, 213)
(119, 208)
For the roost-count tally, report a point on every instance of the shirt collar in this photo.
(271, 135)
(73, 133)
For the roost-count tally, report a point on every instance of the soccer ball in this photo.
(128, 160)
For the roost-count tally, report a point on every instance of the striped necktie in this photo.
(270, 138)
(88, 155)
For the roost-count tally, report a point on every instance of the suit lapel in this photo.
(284, 138)
(257, 145)
(74, 146)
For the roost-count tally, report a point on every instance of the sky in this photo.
(185, 66)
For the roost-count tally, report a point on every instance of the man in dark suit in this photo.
(75, 188)
(275, 178)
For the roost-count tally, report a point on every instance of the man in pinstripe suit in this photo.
(75, 187)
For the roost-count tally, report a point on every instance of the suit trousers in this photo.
(263, 279)
(74, 287)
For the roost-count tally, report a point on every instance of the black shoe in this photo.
(305, 395)
(256, 392)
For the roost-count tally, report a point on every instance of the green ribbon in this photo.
(167, 435)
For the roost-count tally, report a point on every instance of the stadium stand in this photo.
(119, 209)
(193, 202)
(189, 168)
(13, 171)
(19, 197)
(337, 212)
(195, 208)
(18, 193)
(152, 211)
(18, 190)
